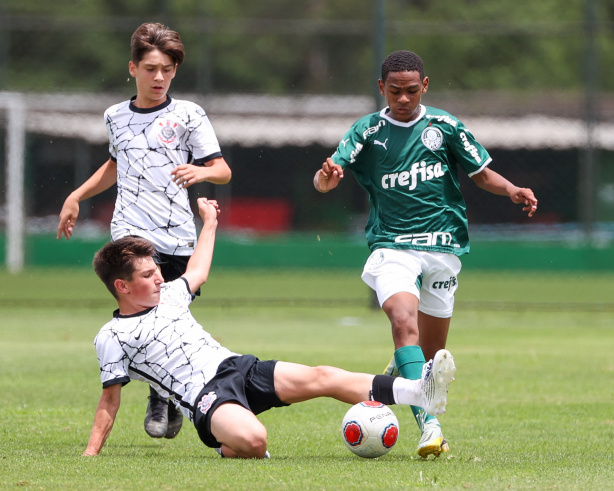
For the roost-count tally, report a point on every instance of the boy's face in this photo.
(403, 92)
(153, 76)
(144, 286)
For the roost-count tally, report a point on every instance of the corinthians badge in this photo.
(167, 132)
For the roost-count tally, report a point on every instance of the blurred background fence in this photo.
(282, 81)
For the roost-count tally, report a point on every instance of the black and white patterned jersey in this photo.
(164, 346)
(147, 145)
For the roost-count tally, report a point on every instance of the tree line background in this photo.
(316, 47)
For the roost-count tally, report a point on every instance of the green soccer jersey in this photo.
(410, 171)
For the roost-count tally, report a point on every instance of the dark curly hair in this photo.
(402, 61)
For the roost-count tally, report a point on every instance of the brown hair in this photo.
(156, 36)
(116, 260)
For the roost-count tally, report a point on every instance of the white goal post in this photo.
(15, 123)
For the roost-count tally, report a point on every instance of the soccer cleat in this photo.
(156, 418)
(437, 375)
(175, 421)
(392, 369)
(432, 441)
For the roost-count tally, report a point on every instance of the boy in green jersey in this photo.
(407, 157)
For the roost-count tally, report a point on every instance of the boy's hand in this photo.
(185, 175)
(328, 176)
(208, 209)
(68, 218)
(525, 196)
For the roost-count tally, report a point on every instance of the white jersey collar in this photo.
(384, 114)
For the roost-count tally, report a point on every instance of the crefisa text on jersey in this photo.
(410, 178)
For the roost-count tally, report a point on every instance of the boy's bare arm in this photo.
(104, 418)
(198, 267)
(100, 181)
(495, 183)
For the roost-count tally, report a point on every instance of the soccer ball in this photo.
(370, 429)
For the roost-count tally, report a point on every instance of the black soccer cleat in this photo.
(156, 418)
(175, 420)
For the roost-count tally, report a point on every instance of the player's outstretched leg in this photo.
(156, 418)
(437, 375)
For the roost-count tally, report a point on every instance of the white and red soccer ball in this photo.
(370, 429)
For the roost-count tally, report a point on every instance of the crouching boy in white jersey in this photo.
(154, 338)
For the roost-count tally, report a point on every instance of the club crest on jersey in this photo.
(432, 138)
(167, 132)
(206, 402)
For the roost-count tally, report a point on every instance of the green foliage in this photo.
(531, 407)
(305, 47)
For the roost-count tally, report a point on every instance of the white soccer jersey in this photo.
(147, 145)
(164, 346)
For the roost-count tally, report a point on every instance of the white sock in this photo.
(407, 391)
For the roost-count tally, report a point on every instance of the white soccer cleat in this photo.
(432, 441)
(437, 375)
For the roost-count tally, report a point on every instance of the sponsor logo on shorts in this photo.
(445, 285)
(206, 402)
(376, 259)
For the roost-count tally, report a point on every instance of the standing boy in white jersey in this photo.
(154, 338)
(158, 147)
(407, 157)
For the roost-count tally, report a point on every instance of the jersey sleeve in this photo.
(109, 125)
(350, 146)
(112, 359)
(470, 155)
(202, 141)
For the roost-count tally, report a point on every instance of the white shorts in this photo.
(431, 276)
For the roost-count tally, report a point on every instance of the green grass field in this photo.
(532, 407)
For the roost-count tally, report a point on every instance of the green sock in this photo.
(409, 361)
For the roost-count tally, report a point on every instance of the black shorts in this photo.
(244, 380)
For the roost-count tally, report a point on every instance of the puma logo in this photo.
(377, 142)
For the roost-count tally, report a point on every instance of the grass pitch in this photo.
(532, 407)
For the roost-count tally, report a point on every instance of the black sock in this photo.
(381, 389)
